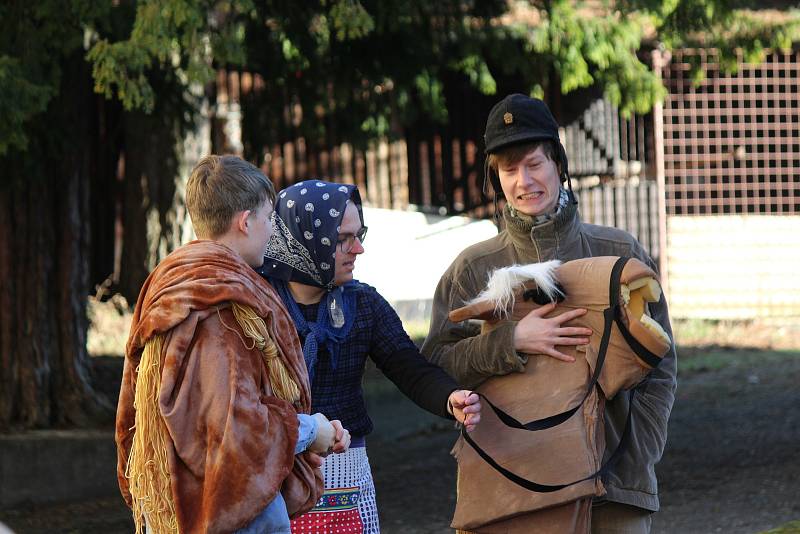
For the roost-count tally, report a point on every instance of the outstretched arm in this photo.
(430, 387)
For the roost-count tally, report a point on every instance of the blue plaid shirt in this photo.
(377, 332)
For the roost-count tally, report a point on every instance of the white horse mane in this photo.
(502, 282)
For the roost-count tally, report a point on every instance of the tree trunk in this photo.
(159, 151)
(44, 242)
(105, 193)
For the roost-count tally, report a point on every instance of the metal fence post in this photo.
(661, 190)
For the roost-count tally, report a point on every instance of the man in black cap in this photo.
(526, 163)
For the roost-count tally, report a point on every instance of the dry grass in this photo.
(765, 334)
(109, 323)
(789, 528)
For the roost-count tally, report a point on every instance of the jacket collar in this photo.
(551, 239)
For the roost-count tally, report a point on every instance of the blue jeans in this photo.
(274, 519)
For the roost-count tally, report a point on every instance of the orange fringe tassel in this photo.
(148, 469)
(255, 328)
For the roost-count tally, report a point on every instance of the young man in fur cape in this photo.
(212, 417)
(528, 165)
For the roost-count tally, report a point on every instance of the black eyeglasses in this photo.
(346, 241)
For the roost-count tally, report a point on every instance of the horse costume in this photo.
(540, 460)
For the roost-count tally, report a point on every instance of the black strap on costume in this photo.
(640, 350)
(557, 419)
(530, 485)
(610, 315)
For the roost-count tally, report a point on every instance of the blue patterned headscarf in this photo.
(302, 249)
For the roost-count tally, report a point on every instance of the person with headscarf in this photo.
(318, 235)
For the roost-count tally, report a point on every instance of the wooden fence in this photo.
(439, 168)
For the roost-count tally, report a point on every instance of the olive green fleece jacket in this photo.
(471, 357)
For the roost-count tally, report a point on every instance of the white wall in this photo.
(720, 267)
(406, 252)
(734, 267)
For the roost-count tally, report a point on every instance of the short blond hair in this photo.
(220, 186)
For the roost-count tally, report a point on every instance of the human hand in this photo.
(314, 459)
(342, 437)
(536, 334)
(465, 407)
(326, 436)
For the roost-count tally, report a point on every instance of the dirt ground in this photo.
(732, 462)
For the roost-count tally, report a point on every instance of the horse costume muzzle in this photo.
(542, 444)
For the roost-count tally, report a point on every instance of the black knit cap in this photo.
(519, 119)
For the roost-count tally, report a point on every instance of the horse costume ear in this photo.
(483, 310)
(638, 287)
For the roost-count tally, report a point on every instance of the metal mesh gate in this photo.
(732, 143)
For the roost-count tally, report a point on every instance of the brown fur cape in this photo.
(231, 440)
